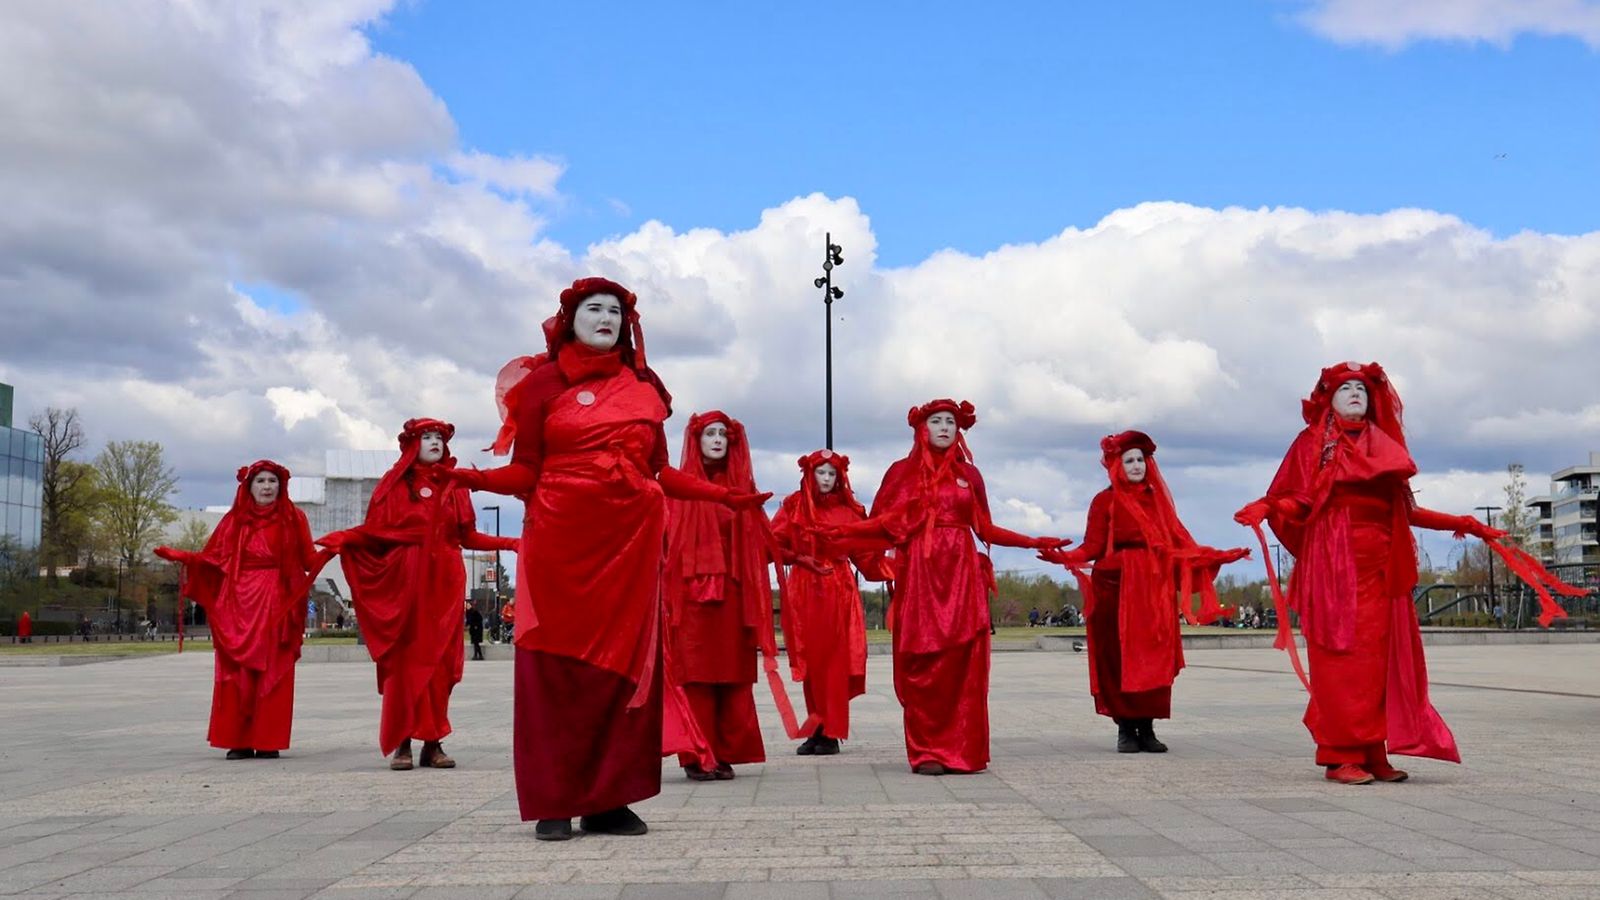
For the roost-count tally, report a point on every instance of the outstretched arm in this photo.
(1461, 526)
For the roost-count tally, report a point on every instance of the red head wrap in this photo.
(244, 503)
(740, 471)
(809, 464)
(1112, 446)
(966, 415)
(557, 334)
(1383, 402)
(410, 444)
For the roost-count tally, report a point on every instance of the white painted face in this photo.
(430, 447)
(942, 430)
(1350, 401)
(598, 321)
(827, 477)
(714, 441)
(1133, 465)
(264, 488)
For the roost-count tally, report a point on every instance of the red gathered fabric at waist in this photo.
(613, 461)
(1363, 507)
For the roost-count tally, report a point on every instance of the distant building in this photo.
(21, 479)
(1568, 530)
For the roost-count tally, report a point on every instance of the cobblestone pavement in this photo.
(107, 789)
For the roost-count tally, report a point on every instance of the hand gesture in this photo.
(813, 565)
(738, 501)
(1252, 514)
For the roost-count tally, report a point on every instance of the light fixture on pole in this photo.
(1488, 557)
(832, 255)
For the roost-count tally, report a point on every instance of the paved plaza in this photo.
(107, 789)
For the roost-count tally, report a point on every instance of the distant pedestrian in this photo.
(475, 630)
(25, 628)
(1033, 617)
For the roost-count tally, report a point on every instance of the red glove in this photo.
(471, 479)
(508, 543)
(1063, 557)
(172, 555)
(1049, 543)
(1252, 514)
(746, 501)
(1469, 525)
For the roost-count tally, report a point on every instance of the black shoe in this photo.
(241, 754)
(695, 773)
(1147, 738)
(620, 821)
(828, 747)
(266, 754)
(1127, 736)
(724, 772)
(553, 830)
(807, 748)
(929, 768)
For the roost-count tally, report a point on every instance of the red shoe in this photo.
(1349, 773)
(1382, 771)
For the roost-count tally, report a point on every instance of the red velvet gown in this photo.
(714, 643)
(1134, 650)
(824, 631)
(1355, 569)
(251, 579)
(408, 581)
(940, 612)
(589, 446)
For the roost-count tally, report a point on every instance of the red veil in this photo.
(700, 570)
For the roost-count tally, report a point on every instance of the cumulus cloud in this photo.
(177, 170)
(1393, 24)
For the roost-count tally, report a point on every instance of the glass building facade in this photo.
(21, 479)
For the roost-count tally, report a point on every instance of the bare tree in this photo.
(66, 484)
(194, 535)
(1514, 518)
(135, 484)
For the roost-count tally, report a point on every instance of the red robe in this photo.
(407, 578)
(1355, 569)
(823, 628)
(1134, 650)
(252, 579)
(716, 585)
(25, 626)
(591, 456)
(939, 609)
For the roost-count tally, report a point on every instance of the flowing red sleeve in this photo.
(518, 477)
(1289, 497)
(680, 485)
(1097, 531)
(783, 529)
(1432, 519)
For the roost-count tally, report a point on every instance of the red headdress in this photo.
(1383, 402)
(558, 334)
(933, 466)
(811, 497)
(740, 471)
(410, 440)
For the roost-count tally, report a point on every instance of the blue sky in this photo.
(972, 130)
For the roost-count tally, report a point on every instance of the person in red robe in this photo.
(718, 597)
(583, 422)
(25, 628)
(407, 579)
(928, 508)
(252, 577)
(1146, 569)
(823, 628)
(1341, 503)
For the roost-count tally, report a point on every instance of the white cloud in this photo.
(164, 156)
(1396, 23)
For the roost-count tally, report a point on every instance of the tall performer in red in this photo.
(583, 422)
(1342, 504)
(1146, 569)
(406, 575)
(718, 597)
(252, 579)
(823, 628)
(928, 507)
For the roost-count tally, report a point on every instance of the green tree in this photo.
(135, 485)
(1515, 518)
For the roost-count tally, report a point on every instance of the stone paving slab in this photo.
(107, 790)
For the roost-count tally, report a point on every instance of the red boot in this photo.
(1349, 773)
(1378, 765)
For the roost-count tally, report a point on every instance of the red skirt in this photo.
(577, 749)
(1347, 715)
(245, 718)
(945, 695)
(1105, 658)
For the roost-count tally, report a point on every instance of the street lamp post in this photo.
(496, 554)
(832, 255)
(1488, 556)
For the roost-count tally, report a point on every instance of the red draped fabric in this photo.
(823, 627)
(252, 579)
(930, 505)
(408, 582)
(717, 593)
(1341, 503)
